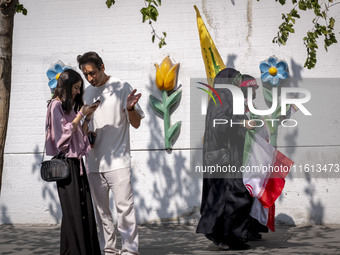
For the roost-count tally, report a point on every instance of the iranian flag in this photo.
(265, 170)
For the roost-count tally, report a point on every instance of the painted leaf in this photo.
(174, 130)
(156, 105)
(173, 98)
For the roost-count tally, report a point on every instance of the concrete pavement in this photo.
(179, 239)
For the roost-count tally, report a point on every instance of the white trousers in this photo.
(119, 182)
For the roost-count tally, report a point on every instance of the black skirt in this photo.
(78, 235)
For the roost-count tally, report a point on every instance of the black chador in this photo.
(226, 203)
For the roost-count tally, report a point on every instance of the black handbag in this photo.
(55, 169)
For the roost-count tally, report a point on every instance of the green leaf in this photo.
(161, 43)
(281, 41)
(302, 5)
(267, 94)
(174, 130)
(309, 4)
(331, 22)
(294, 13)
(109, 3)
(173, 98)
(313, 55)
(153, 13)
(312, 45)
(290, 28)
(156, 104)
(155, 3)
(19, 8)
(144, 14)
(149, 12)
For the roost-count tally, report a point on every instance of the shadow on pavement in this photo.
(179, 239)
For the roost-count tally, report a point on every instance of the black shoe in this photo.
(224, 247)
(239, 245)
(211, 238)
(254, 236)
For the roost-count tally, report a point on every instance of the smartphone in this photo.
(92, 138)
(95, 104)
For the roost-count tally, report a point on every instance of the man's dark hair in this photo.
(90, 57)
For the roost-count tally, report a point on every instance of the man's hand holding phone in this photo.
(92, 135)
(87, 110)
(95, 104)
(92, 138)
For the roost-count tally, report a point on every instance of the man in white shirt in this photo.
(109, 160)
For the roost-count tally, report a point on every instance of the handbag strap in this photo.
(46, 127)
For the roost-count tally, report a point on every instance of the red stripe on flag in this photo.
(276, 180)
(250, 189)
(271, 218)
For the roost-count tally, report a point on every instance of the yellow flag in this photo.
(212, 59)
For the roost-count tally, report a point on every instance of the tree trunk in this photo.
(7, 11)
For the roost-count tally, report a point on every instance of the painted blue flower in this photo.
(273, 71)
(54, 72)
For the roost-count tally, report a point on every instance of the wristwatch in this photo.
(132, 109)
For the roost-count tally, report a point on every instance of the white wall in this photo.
(164, 188)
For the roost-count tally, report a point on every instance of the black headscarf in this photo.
(228, 76)
(218, 137)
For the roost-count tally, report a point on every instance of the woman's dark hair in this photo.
(64, 90)
(90, 57)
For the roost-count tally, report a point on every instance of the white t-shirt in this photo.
(111, 124)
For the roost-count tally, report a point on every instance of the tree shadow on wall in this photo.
(4, 215)
(231, 61)
(48, 189)
(316, 208)
(175, 192)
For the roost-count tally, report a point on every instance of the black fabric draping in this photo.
(226, 203)
(78, 227)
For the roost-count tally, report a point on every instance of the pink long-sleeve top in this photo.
(59, 134)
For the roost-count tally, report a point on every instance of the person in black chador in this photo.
(226, 203)
(254, 227)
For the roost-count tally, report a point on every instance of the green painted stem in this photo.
(166, 117)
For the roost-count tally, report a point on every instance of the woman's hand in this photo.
(89, 109)
(85, 111)
(250, 124)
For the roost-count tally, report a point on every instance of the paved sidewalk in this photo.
(179, 239)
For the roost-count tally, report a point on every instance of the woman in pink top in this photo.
(65, 134)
